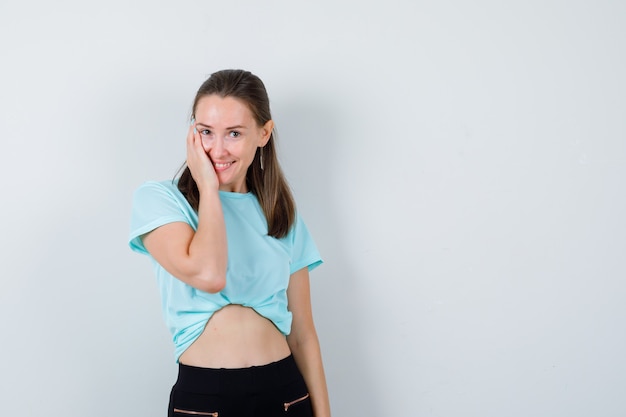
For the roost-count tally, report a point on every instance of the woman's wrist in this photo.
(207, 189)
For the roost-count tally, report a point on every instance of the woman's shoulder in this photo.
(156, 186)
(152, 190)
(160, 184)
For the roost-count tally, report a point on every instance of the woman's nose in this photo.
(216, 147)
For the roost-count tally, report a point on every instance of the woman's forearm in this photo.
(308, 357)
(208, 247)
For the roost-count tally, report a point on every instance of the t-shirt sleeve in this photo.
(153, 206)
(304, 251)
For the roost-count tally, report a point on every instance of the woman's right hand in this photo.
(199, 162)
(197, 257)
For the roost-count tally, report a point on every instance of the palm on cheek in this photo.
(199, 162)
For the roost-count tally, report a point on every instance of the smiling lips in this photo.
(219, 166)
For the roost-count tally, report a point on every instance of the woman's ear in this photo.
(266, 132)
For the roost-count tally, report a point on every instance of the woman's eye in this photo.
(205, 132)
(234, 134)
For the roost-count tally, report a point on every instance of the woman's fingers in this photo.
(198, 160)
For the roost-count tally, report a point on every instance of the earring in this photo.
(261, 157)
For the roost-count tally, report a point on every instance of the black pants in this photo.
(276, 389)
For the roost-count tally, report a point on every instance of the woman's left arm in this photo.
(304, 343)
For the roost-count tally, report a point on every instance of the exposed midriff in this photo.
(236, 337)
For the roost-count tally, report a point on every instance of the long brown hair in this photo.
(267, 182)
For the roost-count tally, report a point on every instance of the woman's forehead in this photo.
(214, 110)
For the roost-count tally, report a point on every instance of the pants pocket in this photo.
(299, 405)
(180, 411)
(188, 404)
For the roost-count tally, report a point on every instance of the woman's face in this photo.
(230, 137)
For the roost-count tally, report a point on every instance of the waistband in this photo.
(257, 379)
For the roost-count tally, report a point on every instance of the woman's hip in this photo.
(275, 389)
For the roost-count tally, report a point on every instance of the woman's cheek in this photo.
(206, 144)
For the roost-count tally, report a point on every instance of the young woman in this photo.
(232, 259)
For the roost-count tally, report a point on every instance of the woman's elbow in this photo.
(299, 338)
(208, 281)
(213, 284)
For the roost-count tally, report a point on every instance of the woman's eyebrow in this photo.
(228, 128)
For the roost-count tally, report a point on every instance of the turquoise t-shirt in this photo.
(259, 266)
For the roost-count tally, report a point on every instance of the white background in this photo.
(460, 164)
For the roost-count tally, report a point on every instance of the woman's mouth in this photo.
(221, 166)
